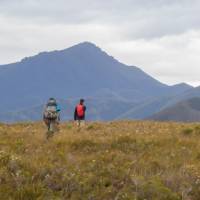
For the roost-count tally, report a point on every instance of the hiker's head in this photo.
(82, 101)
(52, 101)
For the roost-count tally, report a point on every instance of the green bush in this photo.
(197, 130)
(187, 131)
(90, 127)
(155, 190)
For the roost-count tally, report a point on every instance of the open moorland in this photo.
(130, 160)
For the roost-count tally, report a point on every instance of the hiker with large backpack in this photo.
(51, 116)
(79, 113)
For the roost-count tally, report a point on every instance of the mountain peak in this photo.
(182, 85)
(85, 45)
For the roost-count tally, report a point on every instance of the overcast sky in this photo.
(162, 37)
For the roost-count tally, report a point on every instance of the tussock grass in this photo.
(101, 161)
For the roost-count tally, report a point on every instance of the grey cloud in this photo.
(134, 18)
(152, 34)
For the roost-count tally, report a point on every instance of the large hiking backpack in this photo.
(51, 112)
(80, 110)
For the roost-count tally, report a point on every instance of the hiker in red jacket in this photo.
(79, 113)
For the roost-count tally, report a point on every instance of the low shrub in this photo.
(187, 131)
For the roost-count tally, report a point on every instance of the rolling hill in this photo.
(150, 107)
(185, 111)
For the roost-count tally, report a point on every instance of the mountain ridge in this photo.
(185, 111)
(82, 70)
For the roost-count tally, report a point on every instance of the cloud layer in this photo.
(160, 36)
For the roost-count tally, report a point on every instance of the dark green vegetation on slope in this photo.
(102, 161)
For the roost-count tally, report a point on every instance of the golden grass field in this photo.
(122, 160)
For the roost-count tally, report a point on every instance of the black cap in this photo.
(82, 100)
